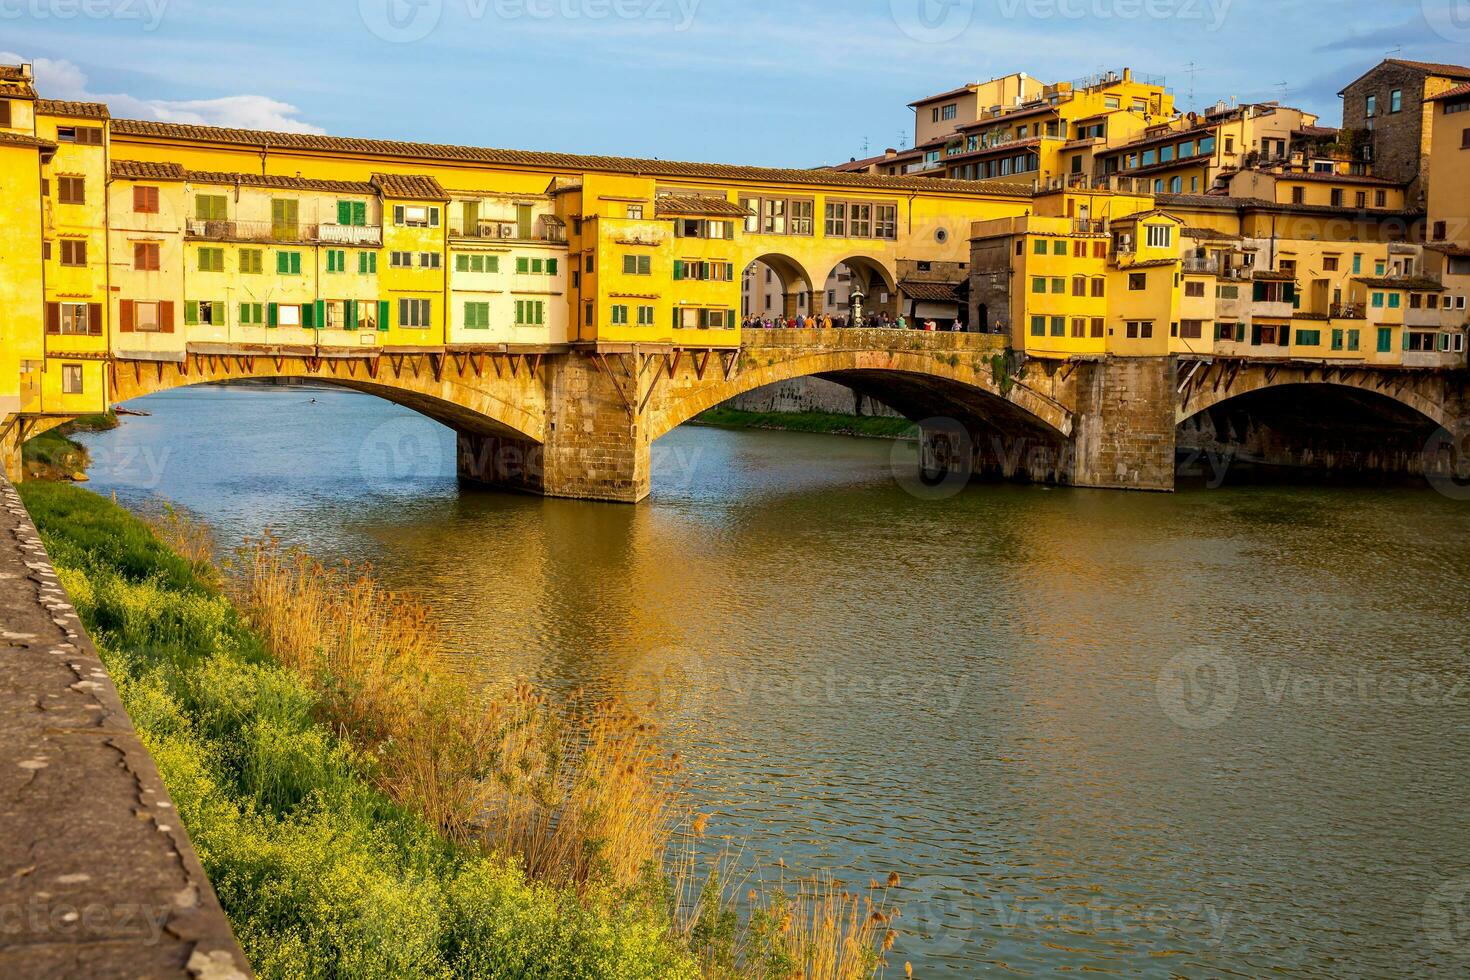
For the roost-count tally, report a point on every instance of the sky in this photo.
(790, 83)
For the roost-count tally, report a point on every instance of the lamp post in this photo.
(856, 306)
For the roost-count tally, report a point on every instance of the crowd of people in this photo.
(826, 321)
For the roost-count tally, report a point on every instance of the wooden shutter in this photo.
(272, 314)
(308, 310)
(382, 314)
(125, 316)
(94, 319)
(398, 214)
(166, 316)
(321, 314)
(191, 312)
(344, 212)
(5, 113)
(53, 318)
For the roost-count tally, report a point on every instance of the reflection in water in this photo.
(1199, 733)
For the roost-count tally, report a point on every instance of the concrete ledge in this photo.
(97, 875)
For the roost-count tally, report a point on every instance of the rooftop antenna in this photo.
(1285, 88)
(1192, 70)
(1396, 50)
(865, 146)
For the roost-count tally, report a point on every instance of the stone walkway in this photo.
(97, 876)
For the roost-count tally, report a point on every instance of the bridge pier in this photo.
(595, 448)
(10, 458)
(1123, 434)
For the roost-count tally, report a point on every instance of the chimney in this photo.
(1127, 74)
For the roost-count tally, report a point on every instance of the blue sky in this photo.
(793, 83)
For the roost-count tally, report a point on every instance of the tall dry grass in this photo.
(581, 793)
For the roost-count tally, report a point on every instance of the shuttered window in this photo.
(71, 190)
(477, 316)
(352, 213)
(73, 251)
(145, 256)
(210, 207)
(145, 200)
(288, 263)
(252, 261)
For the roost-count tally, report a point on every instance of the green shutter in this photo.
(461, 263)
(349, 314)
(344, 212)
(678, 268)
(191, 312)
(551, 267)
(382, 314)
(272, 315)
(321, 314)
(244, 313)
(307, 312)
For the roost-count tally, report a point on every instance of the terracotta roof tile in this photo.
(12, 73)
(284, 183)
(672, 204)
(929, 292)
(1401, 282)
(25, 139)
(551, 161)
(1270, 275)
(410, 187)
(77, 110)
(1451, 93)
(1340, 179)
(146, 170)
(1434, 67)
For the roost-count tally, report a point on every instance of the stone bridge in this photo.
(579, 420)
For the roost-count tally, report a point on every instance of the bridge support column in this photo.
(10, 457)
(1124, 429)
(594, 449)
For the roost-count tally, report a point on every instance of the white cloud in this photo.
(65, 80)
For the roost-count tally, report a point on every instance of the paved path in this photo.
(97, 876)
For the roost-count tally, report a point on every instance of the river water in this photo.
(1209, 733)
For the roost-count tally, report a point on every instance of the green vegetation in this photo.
(54, 456)
(321, 873)
(883, 427)
(361, 813)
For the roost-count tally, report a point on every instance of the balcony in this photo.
(1347, 311)
(511, 231)
(1207, 265)
(358, 235)
(250, 231)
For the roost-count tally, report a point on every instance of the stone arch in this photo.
(1413, 393)
(875, 278)
(919, 384)
(475, 396)
(793, 277)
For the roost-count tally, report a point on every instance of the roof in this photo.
(1455, 251)
(1194, 132)
(15, 84)
(1337, 179)
(409, 187)
(79, 110)
(1272, 275)
(1427, 67)
(149, 170)
(1148, 264)
(1223, 202)
(929, 291)
(672, 204)
(25, 139)
(146, 170)
(148, 129)
(1209, 235)
(1006, 117)
(951, 94)
(1400, 282)
(1316, 132)
(1451, 93)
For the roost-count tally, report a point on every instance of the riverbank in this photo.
(322, 772)
(829, 423)
(55, 456)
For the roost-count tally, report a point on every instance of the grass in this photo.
(361, 813)
(877, 426)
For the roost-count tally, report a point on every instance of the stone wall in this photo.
(1400, 148)
(1124, 430)
(810, 395)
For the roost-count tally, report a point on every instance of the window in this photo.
(1329, 263)
(1079, 285)
(211, 260)
(73, 251)
(1337, 197)
(352, 213)
(1308, 338)
(1099, 284)
(1298, 195)
(1377, 301)
(336, 260)
(430, 260)
(532, 313)
(773, 217)
(145, 200)
(645, 316)
(1137, 281)
(1079, 327)
(949, 112)
(252, 261)
(1058, 326)
(1139, 329)
(252, 314)
(417, 216)
(1396, 100)
(207, 312)
(1372, 106)
(637, 265)
(860, 220)
(400, 260)
(1059, 247)
(1191, 329)
(1040, 248)
(413, 313)
(476, 263)
(619, 315)
(145, 256)
(634, 212)
(367, 263)
(71, 379)
(146, 317)
(1465, 139)
(1096, 325)
(209, 207)
(1038, 284)
(1358, 264)
(1395, 300)
(477, 316)
(71, 190)
(79, 319)
(1160, 236)
(1360, 200)
(1194, 288)
(1038, 326)
(1058, 285)
(5, 114)
(284, 315)
(885, 223)
(288, 263)
(802, 222)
